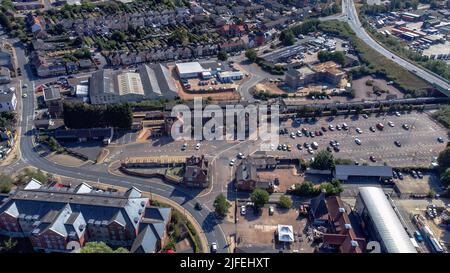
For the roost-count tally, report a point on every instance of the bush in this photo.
(285, 202)
(306, 189)
(6, 183)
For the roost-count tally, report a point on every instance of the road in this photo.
(351, 17)
(185, 198)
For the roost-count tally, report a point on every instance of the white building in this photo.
(228, 76)
(189, 70)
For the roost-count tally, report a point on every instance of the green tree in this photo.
(221, 205)
(444, 158)
(222, 56)
(445, 177)
(323, 160)
(118, 36)
(251, 54)
(306, 189)
(431, 193)
(100, 247)
(259, 197)
(6, 183)
(287, 38)
(8, 245)
(285, 202)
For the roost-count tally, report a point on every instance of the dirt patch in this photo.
(260, 229)
(287, 177)
(364, 91)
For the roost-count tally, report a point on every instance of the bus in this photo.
(436, 245)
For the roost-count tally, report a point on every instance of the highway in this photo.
(205, 217)
(351, 17)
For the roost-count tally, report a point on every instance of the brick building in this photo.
(55, 217)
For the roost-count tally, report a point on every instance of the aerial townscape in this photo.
(213, 126)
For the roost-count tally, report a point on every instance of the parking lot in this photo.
(259, 230)
(418, 145)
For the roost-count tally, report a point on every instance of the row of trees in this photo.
(259, 197)
(336, 56)
(81, 115)
(307, 188)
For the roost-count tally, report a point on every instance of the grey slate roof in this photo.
(51, 93)
(157, 82)
(344, 171)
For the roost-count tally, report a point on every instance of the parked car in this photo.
(440, 139)
(397, 143)
(358, 141)
(271, 210)
(420, 174)
(232, 161)
(414, 174)
(197, 147)
(373, 159)
(243, 210)
(418, 236)
(184, 147)
(198, 206)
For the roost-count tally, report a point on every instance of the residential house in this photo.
(53, 100)
(331, 213)
(196, 172)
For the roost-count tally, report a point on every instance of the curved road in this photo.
(351, 17)
(205, 217)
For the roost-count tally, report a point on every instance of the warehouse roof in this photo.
(187, 68)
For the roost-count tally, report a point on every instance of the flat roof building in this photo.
(345, 172)
(382, 222)
(189, 70)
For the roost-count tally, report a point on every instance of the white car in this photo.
(232, 161)
(24, 95)
(390, 123)
(359, 131)
(214, 247)
(241, 155)
(243, 210)
(358, 141)
(397, 114)
(292, 135)
(197, 147)
(184, 146)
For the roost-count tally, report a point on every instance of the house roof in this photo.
(51, 93)
(157, 81)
